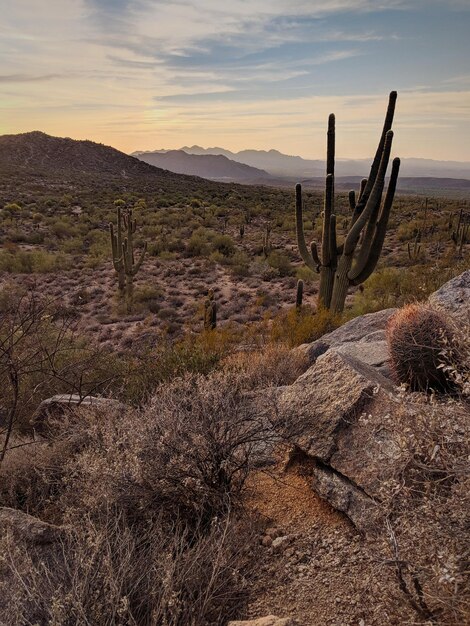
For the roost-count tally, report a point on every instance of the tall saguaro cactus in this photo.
(123, 253)
(352, 262)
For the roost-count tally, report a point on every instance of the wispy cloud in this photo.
(25, 78)
(266, 73)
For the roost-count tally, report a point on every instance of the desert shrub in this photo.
(425, 501)
(417, 336)
(154, 535)
(280, 262)
(409, 229)
(26, 262)
(271, 365)
(147, 293)
(223, 244)
(41, 355)
(296, 327)
(392, 287)
(306, 274)
(239, 262)
(199, 243)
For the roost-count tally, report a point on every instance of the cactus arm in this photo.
(363, 186)
(137, 265)
(374, 170)
(302, 245)
(352, 200)
(362, 273)
(315, 256)
(299, 294)
(330, 147)
(374, 198)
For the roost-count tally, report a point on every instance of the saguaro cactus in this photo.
(130, 266)
(300, 294)
(116, 247)
(210, 311)
(352, 262)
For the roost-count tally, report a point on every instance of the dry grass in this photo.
(149, 505)
(425, 538)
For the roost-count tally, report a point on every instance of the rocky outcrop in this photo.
(365, 329)
(327, 398)
(57, 406)
(340, 411)
(269, 620)
(323, 407)
(454, 297)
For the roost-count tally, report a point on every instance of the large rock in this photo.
(58, 405)
(350, 454)
(325, 399)
(269, 620)
(454, 297)
(364, 329)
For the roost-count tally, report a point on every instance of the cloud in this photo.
(25, 78)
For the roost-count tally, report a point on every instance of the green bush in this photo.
(280, 262)
(27, 262)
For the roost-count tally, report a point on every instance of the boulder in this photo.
(374, 353)
(365, 329)
(454, 297)
(325, 399)
(269, 620)
(337, 412)
(58, 405)
(28, 529)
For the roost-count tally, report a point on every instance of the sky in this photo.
(262, 74)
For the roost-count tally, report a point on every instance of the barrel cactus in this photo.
(421, 342)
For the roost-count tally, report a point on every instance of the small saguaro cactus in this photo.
(116, 247)
(300, 294)
(210, 311)
(352, 262)
(414, 250)
(242, 231)
(461, 234)
(131, 267)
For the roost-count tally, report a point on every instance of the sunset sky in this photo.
(149, 74)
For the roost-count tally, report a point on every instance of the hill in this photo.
(36, 160)
(213, 167)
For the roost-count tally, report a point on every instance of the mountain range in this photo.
(214, 167)
(272, 163)
(68, 164)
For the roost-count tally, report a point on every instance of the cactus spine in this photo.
(352, 262)
(210, 311)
